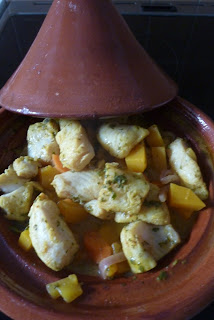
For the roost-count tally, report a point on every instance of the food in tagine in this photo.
(104, 201)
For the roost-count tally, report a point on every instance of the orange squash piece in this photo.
(72, 211)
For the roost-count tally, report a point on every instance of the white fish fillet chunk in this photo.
(9, 181)
(139, 259)
(158, 240)
(26, 167)
(41, 139)
(76, 150)
(17, 204)
(122, 191)
(152, 211)
(143, 244)
(51, 238)
(119, 139)
(157, 214)
(81, 186)
(187, 168)
(94, 209)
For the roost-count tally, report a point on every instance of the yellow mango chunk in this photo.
(46, 176)
(184, 198)
(25, 240)
(154, 139)
(68, 288)
(72, 211)
(136, 160)
(159, 161)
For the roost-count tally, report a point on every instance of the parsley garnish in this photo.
(162, 276)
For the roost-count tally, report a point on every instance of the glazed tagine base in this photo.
(189, 285)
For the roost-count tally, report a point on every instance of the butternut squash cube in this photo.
(111, 271)
(123, 267)
(154, 139)
(184, 198)
(68, 288)
(159, 158)
(25, 240)
(72, 211)
(136, 160)
(185, 213)
(46, 176)
(52, 290)
(110, 232)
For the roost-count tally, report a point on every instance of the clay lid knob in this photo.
(85, 62)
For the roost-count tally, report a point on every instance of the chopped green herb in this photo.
(120, 180)
(175, 262)
(162, 276)
(155, 229)
(164, 243)
(183, 261)
(152, 204)
(124, 284)
(114, 195)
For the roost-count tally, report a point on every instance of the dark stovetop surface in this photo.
(182, 45)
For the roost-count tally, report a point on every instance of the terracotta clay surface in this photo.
(189, 286)
(85, 62)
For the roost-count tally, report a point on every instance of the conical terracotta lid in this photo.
(85, 62)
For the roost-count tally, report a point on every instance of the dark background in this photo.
(182, 45)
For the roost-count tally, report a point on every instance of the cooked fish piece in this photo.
(41, 139)
(143, 244)
(94, 209)
(81, 186)
(122, 191)
(152, 211)
(187, 168)
(119, 139)
(51, 238)
(139, 259)
(155, 213)
(26, 167)
(17, 204)
(76, 150)
(159, 240)
(9, 181)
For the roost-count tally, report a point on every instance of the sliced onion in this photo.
(163, 197)
(163, 193)
(109, 261)
(168, 176)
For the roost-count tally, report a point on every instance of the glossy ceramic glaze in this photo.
(189, 286)
(85, 62)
